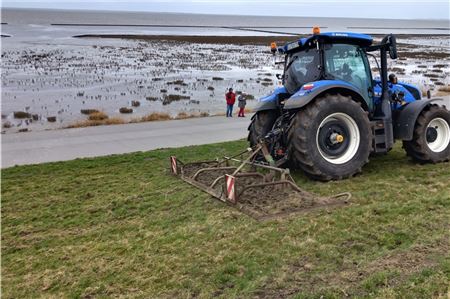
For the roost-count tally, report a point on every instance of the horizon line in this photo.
(211, 14)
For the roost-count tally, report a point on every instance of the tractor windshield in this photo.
(302, 67)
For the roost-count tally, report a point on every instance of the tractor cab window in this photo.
(302, 67)
(348, 63)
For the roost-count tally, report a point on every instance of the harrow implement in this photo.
(257, 188)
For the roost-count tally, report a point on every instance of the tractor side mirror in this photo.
(393, 47)
(391, 42)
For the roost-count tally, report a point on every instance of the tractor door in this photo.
(349, 63)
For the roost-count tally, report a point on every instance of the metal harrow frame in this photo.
(229, 178)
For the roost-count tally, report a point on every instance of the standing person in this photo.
(242, 101)
(230, 97)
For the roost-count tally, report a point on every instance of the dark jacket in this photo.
(242, 101)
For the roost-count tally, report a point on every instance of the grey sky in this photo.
(392, 9)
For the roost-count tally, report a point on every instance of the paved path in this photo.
(68, 144)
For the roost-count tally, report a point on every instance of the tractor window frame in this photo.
(291, 79)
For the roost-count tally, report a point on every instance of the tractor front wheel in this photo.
(330, 139)
(431, 138)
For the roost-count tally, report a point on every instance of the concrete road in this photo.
(68, 144)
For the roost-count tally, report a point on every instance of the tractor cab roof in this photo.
(362, 40)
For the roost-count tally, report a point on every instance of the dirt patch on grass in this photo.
(357, 280)
(207, 178)
(277, 201)
(190, 169)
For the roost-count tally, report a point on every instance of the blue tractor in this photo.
(330, 114)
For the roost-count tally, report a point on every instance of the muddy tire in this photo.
(261, 124)
(331, 138)
(431, 138)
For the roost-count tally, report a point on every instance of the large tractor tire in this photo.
(261, 124)
(331, 138)
(431, 138)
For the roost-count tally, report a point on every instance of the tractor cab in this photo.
(337, 58)
(342, 58)
(327, 56)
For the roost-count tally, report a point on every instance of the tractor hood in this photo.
(410, 92)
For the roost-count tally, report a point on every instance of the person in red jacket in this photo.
(230, 97)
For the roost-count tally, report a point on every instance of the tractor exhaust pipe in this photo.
(388, 44)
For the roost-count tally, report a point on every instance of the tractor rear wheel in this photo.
(331, 138)
(261, 124)
(431, 138)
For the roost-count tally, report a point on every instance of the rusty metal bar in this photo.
(211, 168)
(286, 171)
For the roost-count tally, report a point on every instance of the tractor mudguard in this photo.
(261, 106)
(270, 101)
(405, 119)
(311, 90)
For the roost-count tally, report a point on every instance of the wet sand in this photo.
(181, 65)
(51, 84)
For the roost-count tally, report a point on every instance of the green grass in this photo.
(122, 226)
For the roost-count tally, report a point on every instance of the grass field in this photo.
(121, 226)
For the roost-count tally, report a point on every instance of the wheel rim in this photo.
(438, 135)
(338, 138)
